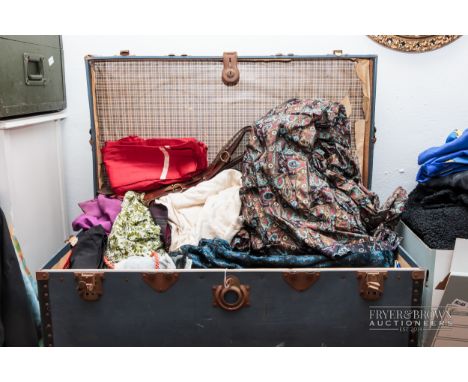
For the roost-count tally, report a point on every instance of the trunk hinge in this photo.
(89, 285)
(371, 284)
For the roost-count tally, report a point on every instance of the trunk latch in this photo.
(89, 285)
(371, 284)
(231, 72)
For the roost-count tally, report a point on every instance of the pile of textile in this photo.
(437, 209)
(303, 202)
(298, 202)
(141, 235)
(123, 232)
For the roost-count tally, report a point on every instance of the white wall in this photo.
(31, 190)
(420, 97)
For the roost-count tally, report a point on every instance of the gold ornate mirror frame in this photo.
(414, 43)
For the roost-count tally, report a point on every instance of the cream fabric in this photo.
(209, 210)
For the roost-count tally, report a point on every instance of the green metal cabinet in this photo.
(31, 75)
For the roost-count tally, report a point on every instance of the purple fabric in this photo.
(102, 210)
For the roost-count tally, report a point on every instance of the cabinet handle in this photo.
(35, 77)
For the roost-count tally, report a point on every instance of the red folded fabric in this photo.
(138, 164)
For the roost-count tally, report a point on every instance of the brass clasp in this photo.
(89, 285)
(371, 284)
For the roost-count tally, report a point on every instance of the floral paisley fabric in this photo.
(134, 232)
(301, 187)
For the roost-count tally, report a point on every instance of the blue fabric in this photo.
(452, 145)
(445, 165)
(217, 253)
(453, 135)
(446, 159)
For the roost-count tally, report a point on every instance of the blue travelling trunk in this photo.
(210, 98)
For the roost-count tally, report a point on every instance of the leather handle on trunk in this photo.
(223, 160)
(232, 295)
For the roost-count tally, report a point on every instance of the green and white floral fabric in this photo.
(134, 232)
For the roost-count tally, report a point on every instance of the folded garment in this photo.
(136, 164)
(456, 141)
(88, 251)
(442, 166)
(100, 211)
(447, 159)
(208, 210)
(134, 232)
(457, 181)
(218, 253)
(437, 227)
(302, 190)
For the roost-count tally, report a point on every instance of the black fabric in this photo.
(89, 251)
(17, 326)
(438, 227)
(444, 198)
(160, 217)
(457, 181)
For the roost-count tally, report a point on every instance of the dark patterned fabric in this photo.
(217, 253)
(302, 189)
